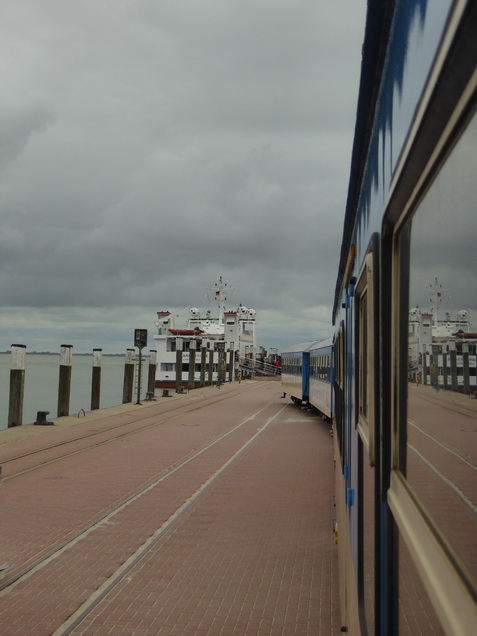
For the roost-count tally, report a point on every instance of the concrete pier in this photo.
(207, 513)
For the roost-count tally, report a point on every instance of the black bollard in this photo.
(41, 419)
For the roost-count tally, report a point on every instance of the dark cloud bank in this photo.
(149, 147)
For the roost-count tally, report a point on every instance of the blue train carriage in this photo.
(406, 468)
(296, 372)
(321, 377)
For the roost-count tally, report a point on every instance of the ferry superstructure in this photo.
(442, 349)
(231, 331)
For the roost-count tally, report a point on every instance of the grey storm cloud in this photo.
(148, 147)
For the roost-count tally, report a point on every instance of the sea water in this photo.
(41, 384)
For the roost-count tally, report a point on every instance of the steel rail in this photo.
(163, 418)
(9, 584)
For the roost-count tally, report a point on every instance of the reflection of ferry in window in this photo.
(234, 330)
(442, 351)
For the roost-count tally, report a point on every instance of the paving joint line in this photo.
(88, 605)
(7, 586)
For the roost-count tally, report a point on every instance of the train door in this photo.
(367, 348)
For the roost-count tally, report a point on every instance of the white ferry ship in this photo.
(442, 349)
(233, 332)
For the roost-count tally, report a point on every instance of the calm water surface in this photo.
(41, 384)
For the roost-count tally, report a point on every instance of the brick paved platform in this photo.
(207, 513)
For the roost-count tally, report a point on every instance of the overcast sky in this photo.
(148, 147)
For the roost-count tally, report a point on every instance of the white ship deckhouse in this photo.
(212, 342)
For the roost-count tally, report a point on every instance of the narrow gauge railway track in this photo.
(453, 405)
(450, 483)
(135, 426)
(9, 584)
(450, 479)
(466, 459)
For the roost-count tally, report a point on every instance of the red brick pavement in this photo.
(250, 553)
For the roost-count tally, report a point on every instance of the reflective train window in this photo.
(365, 334)
(365, 331)
(440, 459)
(339, 387)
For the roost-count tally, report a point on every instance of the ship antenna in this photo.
(222, 289)
(436, 299)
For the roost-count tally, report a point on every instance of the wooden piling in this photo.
(465, 367)
(221, 363)
(178, 365)
(128, 383)
(211, 366)
(64, 384)
(424, 365)
(96, 379)
(445, 371)
(191, 376)
(231, 362)
(434, 370)
(453, 366)
(151, 377)
(17, 385)
(203, 364)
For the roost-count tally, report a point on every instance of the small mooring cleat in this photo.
(41, 419)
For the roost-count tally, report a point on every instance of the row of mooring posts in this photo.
(225, 368)
(17, 382)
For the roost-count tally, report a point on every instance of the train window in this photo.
(339, 387)
(365, 355)
(441, 459)
(363, 358)
(435, 450)
(364, 299)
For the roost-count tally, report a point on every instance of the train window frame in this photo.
(367, 417)
(448, 105)
(367, 332)
(339, 386)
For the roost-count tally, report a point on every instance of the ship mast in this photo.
(436, 300)
(222, 289)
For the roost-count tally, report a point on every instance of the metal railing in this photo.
(257, 367)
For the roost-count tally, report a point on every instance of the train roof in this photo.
(321, 344)
(378, 23)
(298, 348)
(309, 346)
